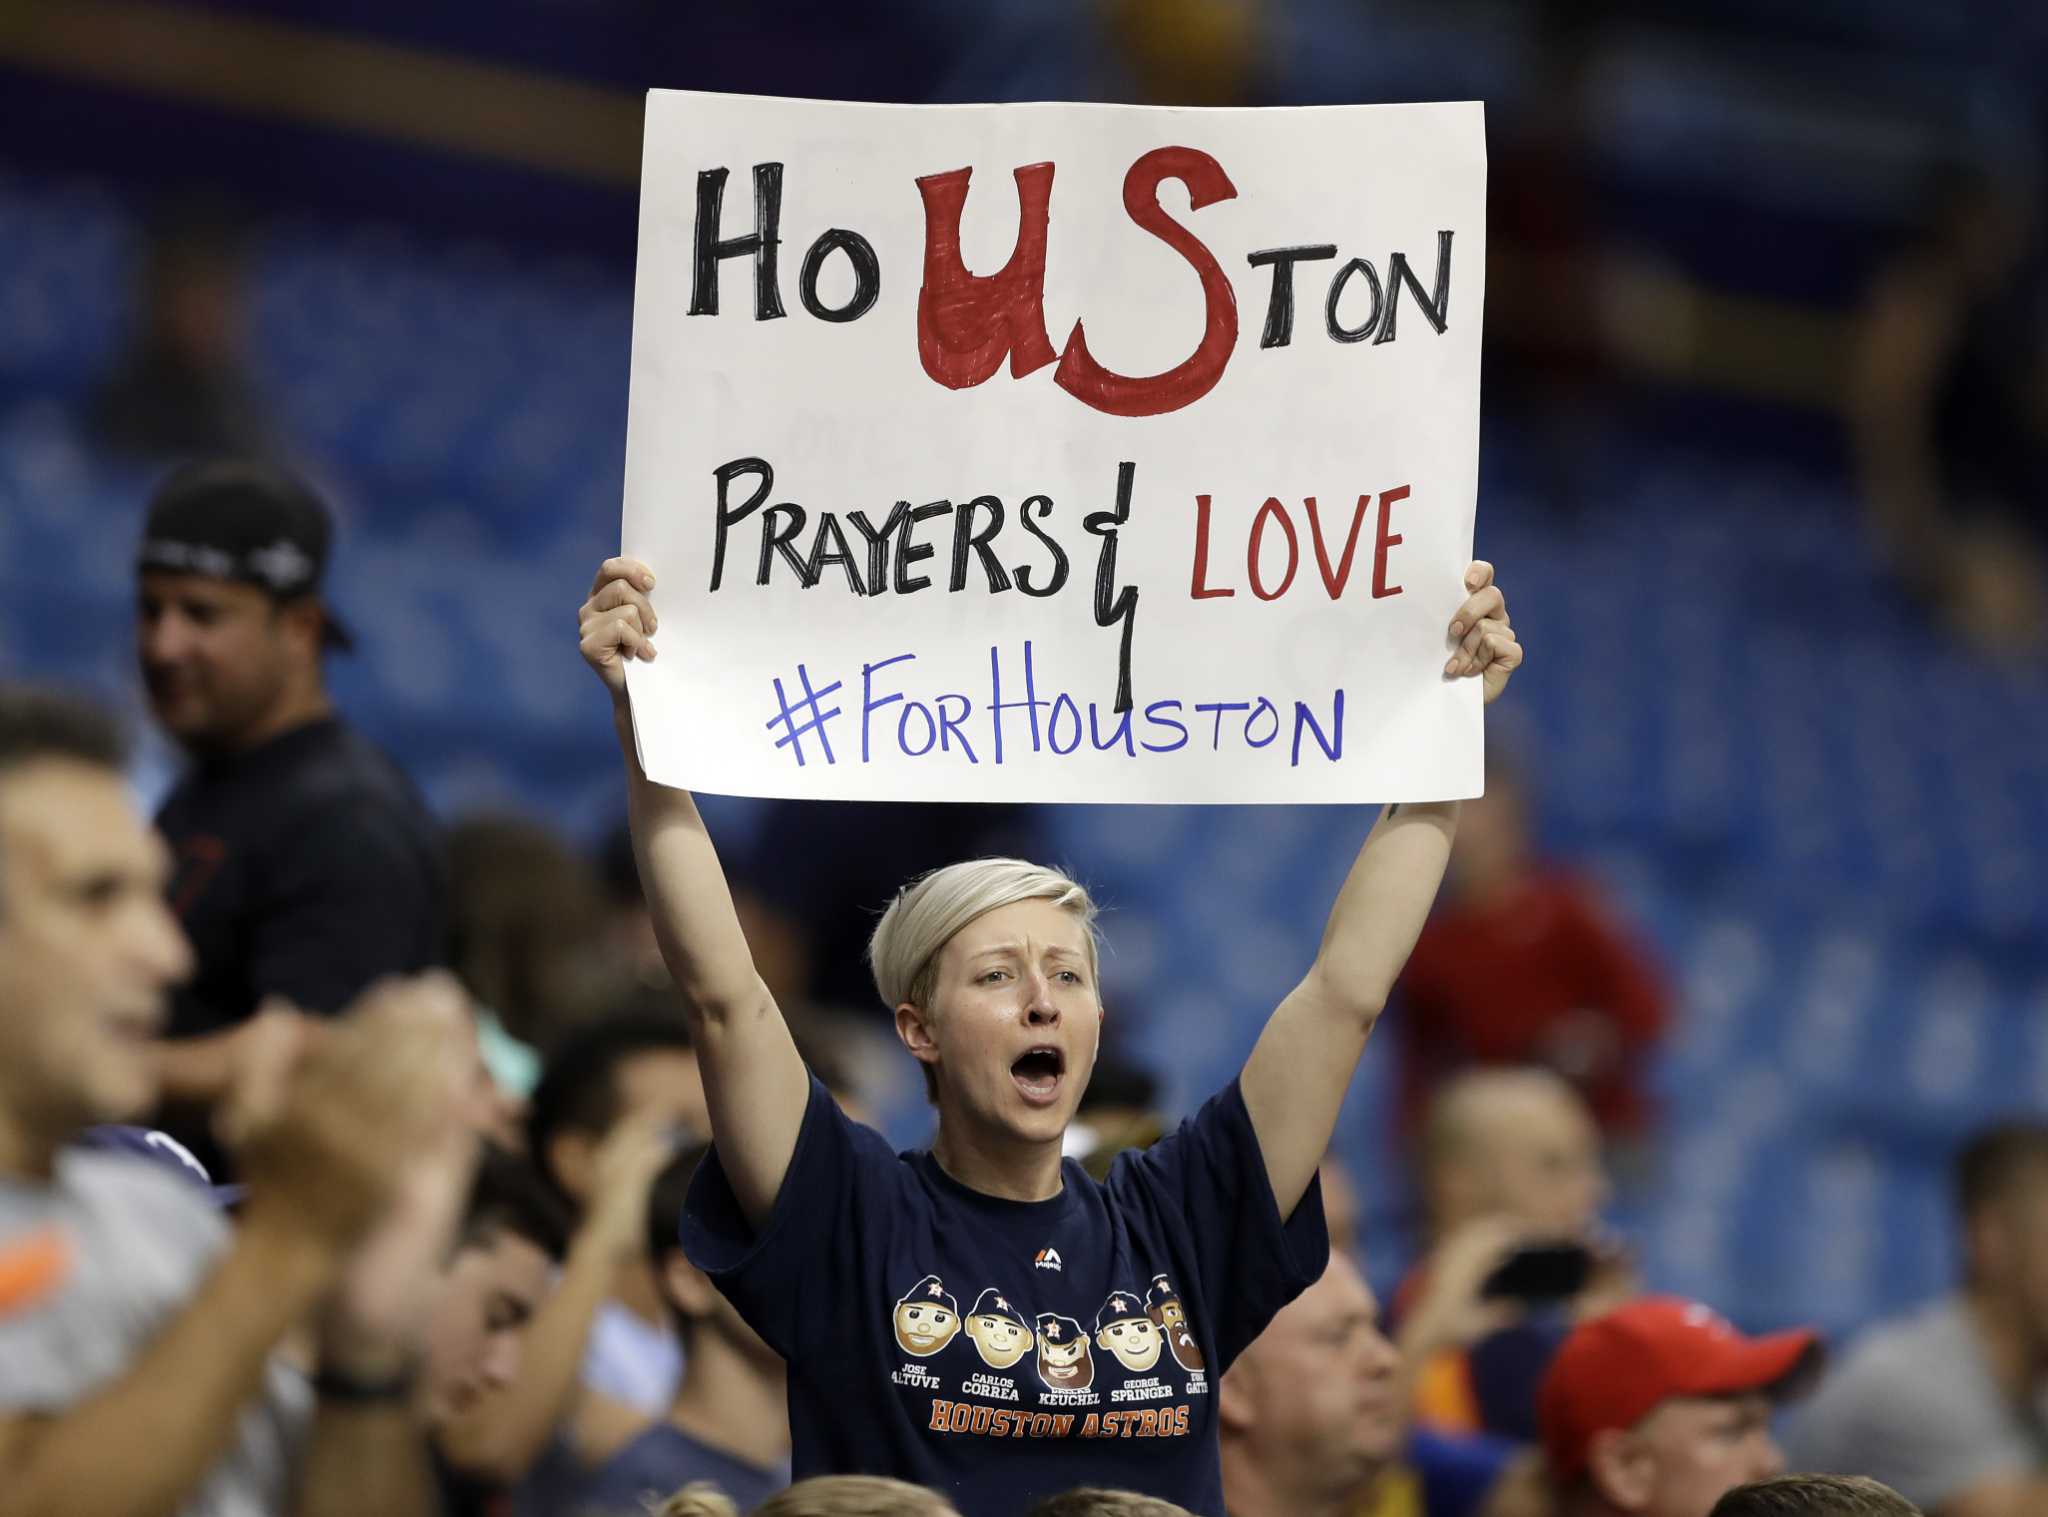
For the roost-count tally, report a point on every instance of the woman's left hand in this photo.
(1482, 641)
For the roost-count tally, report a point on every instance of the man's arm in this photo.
(140, 1446)
(755, 1082)
(1300, 1068)
(205, 1071)
(368, 1452)
(367, 1457)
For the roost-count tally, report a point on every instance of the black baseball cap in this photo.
(247, 520)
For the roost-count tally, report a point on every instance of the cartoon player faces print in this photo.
(1123, 1329)
(1064, 1363)
(1000, 1334)
(926, 1318)
(1162, 1305)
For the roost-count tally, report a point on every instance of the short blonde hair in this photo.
(855, 1496)
(926, 913)
(921, 920)
(700, 1498)
(1091, 1501)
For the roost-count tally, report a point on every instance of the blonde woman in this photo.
(983, 1318)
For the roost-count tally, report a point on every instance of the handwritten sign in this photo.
(1056, 452)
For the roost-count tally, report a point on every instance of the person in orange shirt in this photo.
(1513, 1180)
(31, 1268)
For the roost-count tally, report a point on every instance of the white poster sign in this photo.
(1056, 452)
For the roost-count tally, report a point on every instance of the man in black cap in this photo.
(306, 864)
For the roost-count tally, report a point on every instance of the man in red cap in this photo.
(1660, 1408)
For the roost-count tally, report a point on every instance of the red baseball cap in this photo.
(1615, 1370)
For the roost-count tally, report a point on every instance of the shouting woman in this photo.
(982, 1317)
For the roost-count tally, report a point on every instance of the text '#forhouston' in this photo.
(877, 717)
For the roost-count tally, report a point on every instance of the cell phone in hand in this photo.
(1541, 1272)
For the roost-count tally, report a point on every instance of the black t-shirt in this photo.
(1003, 1351)
(305, 868)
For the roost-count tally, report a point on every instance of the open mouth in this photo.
(1038, 1074)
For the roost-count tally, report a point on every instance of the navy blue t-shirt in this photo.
(1003, 1351)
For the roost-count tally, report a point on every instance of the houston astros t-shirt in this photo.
(1003, 1351)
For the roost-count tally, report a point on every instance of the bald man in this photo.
(1511, 1160)
(1514, 1143)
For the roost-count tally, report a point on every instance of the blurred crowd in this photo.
(386, 1206)
(344, 1146)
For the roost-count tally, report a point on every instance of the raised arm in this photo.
(754, 1080)
(1298, 1072)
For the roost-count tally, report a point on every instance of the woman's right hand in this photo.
(617, 622)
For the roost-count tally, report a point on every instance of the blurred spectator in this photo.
(182, 388)
(514, 1232)
(1341, 1211)
(1948, 406)
(140, 1375)
(306, 864)
(1546, 262)
(814, 921)
(1118, 1111)
(821, 1496)
(1950, 1405)
(628, 924)
(1095, 1503)
(1317, 1425)
(1660, 1408)
(1522, 964)
(32, 1266)
(162, 1149)
(1189, 52)
(1311, 1416)
(1814, 1496)
(840, 1047)
(1512, 1142)
(615, 1071)
(1512, 1185)
(729, 1424)
(842, 1053)
(1455, 1473)
(526, 934)
(773, 914)
(613, 1104)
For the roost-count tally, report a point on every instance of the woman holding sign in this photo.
(983, 1318)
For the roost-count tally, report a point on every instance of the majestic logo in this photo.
(1048, 1258)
